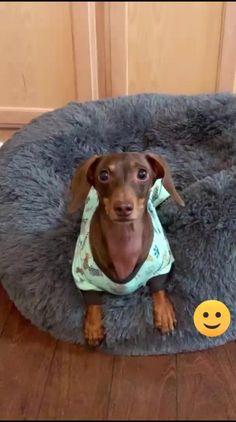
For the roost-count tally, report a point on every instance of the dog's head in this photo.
(122, 181)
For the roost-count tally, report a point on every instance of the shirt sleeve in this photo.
(159, 282)
(92, 297)
(159, 193)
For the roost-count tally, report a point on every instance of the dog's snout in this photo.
(123, 209)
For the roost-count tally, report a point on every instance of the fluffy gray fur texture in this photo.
(197, 136)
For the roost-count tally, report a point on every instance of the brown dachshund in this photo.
(121, 229)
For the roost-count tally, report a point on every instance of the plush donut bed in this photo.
(197, 136)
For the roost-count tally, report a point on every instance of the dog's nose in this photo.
(123, 209)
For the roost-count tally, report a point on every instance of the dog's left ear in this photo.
(161, 171)
(82, 182)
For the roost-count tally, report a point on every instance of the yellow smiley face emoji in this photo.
(211, 318)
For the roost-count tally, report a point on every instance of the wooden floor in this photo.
(41, 378)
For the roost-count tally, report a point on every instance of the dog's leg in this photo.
(93, 326)
(164, 314)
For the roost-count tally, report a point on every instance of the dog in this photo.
(122, 246)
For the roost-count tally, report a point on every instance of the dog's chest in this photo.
(124, 256)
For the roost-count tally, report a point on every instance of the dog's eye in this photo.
(142, 174)
(103, 176)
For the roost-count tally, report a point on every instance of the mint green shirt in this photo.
(86, 273)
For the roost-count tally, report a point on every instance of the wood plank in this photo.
(85, 49)
(230, 349)
(78, 385)
(6, 134)
(103, 49)
(119, 47)
(25, 357)
(143, 388)
(227, 57)
(36, 44)
(5, 307)
(173, 47)
(16, 117)
(206, 387)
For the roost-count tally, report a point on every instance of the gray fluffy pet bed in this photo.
(197, 136)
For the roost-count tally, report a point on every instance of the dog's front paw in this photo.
(94, 334)
(164, 314)
(93, 327)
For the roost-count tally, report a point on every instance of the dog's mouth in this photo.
(212, 326)
(123, 220)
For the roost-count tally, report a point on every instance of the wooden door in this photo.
(37, 62)
(171, 47)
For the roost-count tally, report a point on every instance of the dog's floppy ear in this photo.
(162, 171)
(81, 183)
